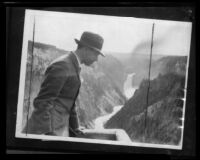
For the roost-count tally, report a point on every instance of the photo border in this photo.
(186, 80)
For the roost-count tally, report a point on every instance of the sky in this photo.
(121, 34)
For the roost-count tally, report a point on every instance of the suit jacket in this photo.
(54, 106)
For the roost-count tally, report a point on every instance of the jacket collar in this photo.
(75, 62)
(79, 63)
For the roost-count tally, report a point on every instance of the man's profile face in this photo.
(90, 56)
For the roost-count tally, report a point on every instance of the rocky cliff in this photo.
(164, 107)
(169, 64)
(138, 64)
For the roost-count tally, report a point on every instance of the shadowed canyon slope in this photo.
(165, 104)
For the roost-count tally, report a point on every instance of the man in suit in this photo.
(54, 107)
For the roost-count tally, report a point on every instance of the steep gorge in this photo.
(165, 105)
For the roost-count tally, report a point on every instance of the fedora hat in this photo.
(91, 40)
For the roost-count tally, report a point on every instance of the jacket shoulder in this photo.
(64, 66)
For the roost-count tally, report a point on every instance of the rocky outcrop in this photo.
(139, 64)
(97, 96)
(169, 64)
(164, 107)
(114, 70)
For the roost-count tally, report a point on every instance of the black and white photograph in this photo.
(103, 79)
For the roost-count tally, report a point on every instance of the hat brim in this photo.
(84, 44)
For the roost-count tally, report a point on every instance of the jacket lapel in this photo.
(75, 62)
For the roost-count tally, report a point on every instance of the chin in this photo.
(88, 64)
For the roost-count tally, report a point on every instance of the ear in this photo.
(83, 53)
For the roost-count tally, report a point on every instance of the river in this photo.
(100, 121)
(128, 91)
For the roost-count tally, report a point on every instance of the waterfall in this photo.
(128, 88)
